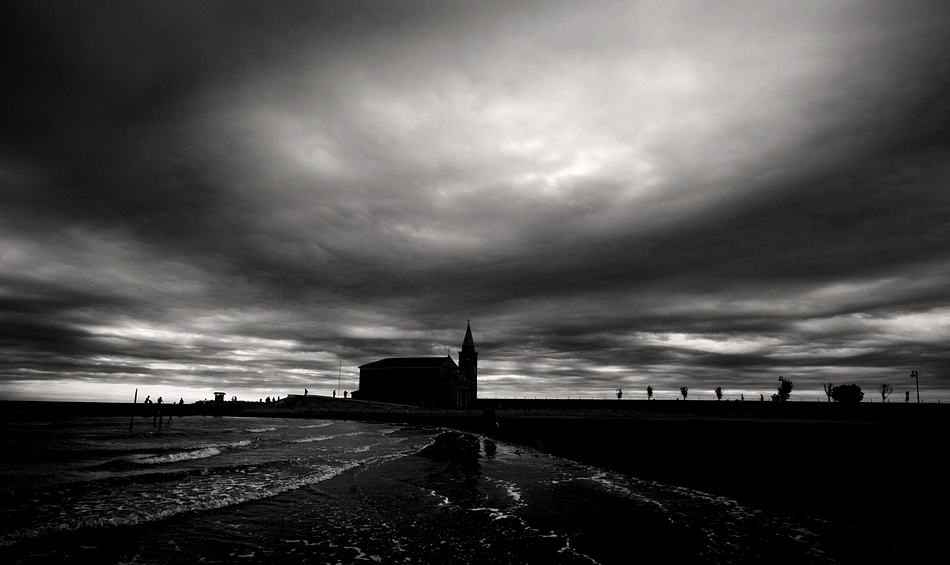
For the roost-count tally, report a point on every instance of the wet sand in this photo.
(878, 468)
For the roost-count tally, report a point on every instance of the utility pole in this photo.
(913, 375)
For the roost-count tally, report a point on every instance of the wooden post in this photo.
(135, 399)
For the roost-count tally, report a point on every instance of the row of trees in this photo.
(842, 393)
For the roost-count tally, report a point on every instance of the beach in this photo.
(562, 486)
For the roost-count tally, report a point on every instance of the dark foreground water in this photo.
(244, 490)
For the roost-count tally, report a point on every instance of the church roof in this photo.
(409, 363)
(468, 342)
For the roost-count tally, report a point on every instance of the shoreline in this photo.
(876, 467)
(313, 406)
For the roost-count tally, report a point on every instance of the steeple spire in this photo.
(468, 344)
(468, 367)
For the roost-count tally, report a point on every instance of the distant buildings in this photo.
(429, 381)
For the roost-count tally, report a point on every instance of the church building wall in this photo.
(429, 381)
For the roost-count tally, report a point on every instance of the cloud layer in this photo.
(249, 196)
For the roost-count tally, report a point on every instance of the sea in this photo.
(257, 490)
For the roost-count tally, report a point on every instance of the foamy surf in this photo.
(131, 508)
(312, 439)
(312, 426)
(192, 454)
(180, 456)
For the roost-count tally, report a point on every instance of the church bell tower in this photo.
(468, 364)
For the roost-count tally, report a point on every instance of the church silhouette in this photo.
(423, 381)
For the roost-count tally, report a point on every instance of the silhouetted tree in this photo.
(649, 392)
(828, 388)
(886, 391)
(784, 389)
(718, 393)
(684, 390)
(847, 394)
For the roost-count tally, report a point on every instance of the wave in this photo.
(199, 453)
(363, 448)
(511, 489)
(260, 430)
(662, 496)
(320, 438)
(241, 443)
(676, 502)
(202, 453)
(323, 425)
(150, 474)
(156, 509)
(614, 482)
(497, 514)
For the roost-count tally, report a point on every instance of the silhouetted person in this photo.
(267, 400)
(619, 394)
(181, 401)
(305, 391)
(159, 401)
(148, 399)
(334, 394)
(906, 396)
(346, 394)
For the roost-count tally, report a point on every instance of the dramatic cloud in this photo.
(259, 197)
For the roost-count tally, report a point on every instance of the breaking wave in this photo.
(322, 425)
(260, 430)
(321, 438)
(200, 453)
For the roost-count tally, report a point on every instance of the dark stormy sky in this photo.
(201, 196)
